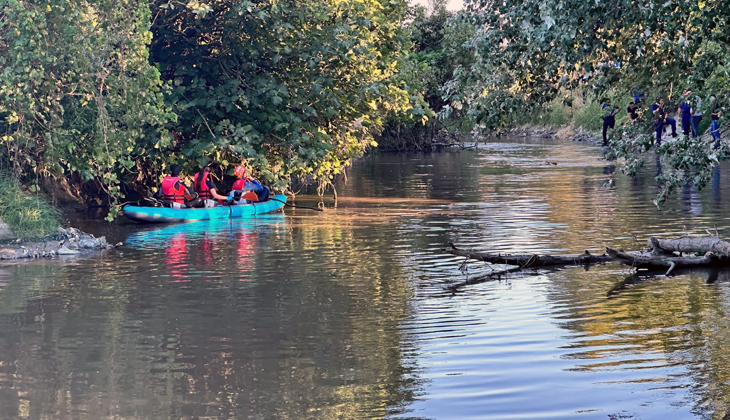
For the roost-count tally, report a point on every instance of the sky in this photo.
(451, 4)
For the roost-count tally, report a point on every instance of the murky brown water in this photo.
(355, 313)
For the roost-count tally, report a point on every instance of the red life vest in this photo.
(172, 193)
(202, 187)
(239, 183)
(248, 195)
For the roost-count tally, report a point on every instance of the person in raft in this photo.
(204, 186)
(247, 188)
(174, 193)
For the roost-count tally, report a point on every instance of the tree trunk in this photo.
(686, 244)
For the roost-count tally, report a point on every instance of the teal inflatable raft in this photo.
(168, 215)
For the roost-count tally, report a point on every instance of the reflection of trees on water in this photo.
(671, 332)
(445, 175)
(311, 329)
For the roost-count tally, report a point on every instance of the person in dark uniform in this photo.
(609, 118)
(685, 113)
(715, 111)
(661, 119)
(633, 112)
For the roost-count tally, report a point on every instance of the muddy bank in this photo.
(69, 241)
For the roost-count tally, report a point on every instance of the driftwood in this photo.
(664, 255)
(531, 260)
(668, 262)
(701, 245)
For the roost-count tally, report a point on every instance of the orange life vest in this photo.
(172, 193)
(202, 187)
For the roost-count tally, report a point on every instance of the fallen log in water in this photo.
(531, 260)
(687, 244)
(665, 255)
(668, 262)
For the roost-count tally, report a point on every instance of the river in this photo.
(355, 313)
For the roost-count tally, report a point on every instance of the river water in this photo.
(355, 313)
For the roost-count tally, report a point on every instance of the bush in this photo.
(588, 116)
(27, 215)
(559, 115)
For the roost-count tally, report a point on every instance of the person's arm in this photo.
(158, 194)
(217, 196)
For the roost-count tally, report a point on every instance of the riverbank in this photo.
(69, 241)
(546, 132)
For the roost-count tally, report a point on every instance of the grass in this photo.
(27, 214)
(588, 116)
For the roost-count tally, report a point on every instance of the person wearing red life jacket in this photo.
(249, 189)
(174, 190)
(204, 186)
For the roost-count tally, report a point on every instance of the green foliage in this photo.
(559, 114)
(588, 116)
(78, 93)
(27, 214)
(438, 48)
(529, 51)
(292, 88)
(101, 92)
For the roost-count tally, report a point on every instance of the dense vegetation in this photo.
(110, 93)
(113, 92)
(27, 214)
(531, 53)
(439, 46)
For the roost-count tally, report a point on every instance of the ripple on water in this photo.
(357, 313)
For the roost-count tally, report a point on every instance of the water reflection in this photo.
(250, 320)
(356, 313)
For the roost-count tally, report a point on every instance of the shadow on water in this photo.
(710, 275)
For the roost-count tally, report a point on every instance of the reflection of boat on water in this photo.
(167, 215)
(156, 237)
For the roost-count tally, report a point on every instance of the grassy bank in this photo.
(578, 112)
(27, 214)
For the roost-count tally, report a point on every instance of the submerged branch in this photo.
(531, 260)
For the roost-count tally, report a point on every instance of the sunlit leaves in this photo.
(292, 88)
(78, 92)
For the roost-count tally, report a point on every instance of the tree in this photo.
(291, 88)
(79, 96)
(526, 51)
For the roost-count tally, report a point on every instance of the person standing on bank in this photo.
(715, 111)
(661, 119)
(696, 104)
(685, 112)
(609, 118)
(633, 112)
